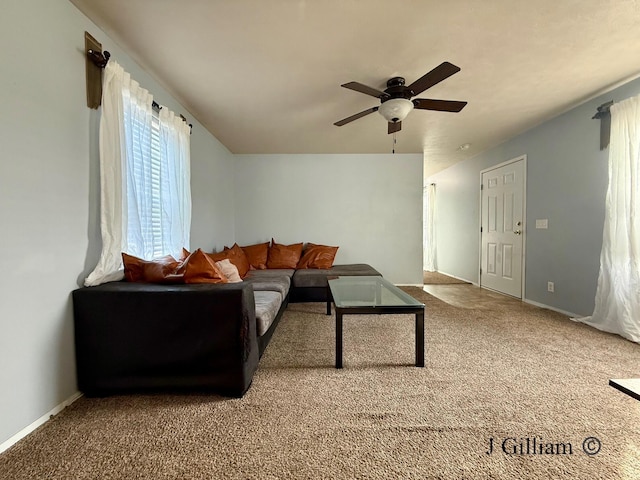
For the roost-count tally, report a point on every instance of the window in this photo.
(144, 177)
(144, 191)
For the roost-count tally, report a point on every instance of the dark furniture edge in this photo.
(631, 393)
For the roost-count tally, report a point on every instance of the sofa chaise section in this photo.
(137, 336)
(311, 284)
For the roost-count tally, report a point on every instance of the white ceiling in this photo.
(264, 76)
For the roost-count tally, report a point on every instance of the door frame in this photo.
(522, 158)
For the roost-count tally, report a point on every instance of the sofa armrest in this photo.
(135, 336)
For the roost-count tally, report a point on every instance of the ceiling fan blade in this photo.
(359, 87)
(344, 121)
(439, 105)
(394, 127)
(438, 74)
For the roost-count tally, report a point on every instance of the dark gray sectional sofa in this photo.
(206, 337)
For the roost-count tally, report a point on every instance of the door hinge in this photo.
(480, 229)
(481, 186)
(480, 271)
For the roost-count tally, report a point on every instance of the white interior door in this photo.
(502, 228)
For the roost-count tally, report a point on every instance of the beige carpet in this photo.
(521, 372)
(437, 278)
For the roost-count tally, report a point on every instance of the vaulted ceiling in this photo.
(264, 76)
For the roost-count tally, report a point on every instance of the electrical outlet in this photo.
(550, 287)
(542, 223)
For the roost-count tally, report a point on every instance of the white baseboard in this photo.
(43, 419)
(409, 285)
(542, 305)
(459, 278)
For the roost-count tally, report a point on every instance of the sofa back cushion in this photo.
(257, 255)
(237, 256)
(284, 256)
(217, 257)
(318, 256)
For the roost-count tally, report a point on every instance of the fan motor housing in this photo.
(395, 82)
(396, 89)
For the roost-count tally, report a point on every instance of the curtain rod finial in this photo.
(99, 58)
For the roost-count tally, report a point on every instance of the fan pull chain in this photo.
(393, 148)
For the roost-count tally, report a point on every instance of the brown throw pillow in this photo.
(158, 270)
(179, 273)
(257, 255)
(284, 256)
(216, 257)
(318, 256)
(237, 256)
(200, 268)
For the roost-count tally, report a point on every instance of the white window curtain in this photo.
(175, 146)
(144, 177)
(617, 308)
(429, 238)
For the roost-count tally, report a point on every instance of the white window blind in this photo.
(145, 235)
(154, 205)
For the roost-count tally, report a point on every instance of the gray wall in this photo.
(566, 183)
(368, 205)
(49, 208)
(49, 191)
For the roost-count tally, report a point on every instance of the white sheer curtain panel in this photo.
(617, 305)
(119, 91)
(429, 241)
(142, 173)
(175, 145)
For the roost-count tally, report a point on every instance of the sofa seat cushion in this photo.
(279, 284)
(273, 272)
(314, 277)
(267, 306)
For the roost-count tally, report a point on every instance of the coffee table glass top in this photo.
(374, 291)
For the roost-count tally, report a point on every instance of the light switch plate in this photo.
(542, 223)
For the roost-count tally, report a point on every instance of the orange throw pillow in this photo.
(183, 264)
(318, 256)
(284, 256)
(237, 256)
(257, 255)
(159, 270)
(200, 268)
(217, 257)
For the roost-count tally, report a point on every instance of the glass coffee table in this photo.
(630, 386)
(372, 296)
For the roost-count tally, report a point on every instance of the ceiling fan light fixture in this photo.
(395, 109)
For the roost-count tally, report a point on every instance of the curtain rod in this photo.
(100, 59)
(603, 110)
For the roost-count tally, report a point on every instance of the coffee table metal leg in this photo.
(420, 339)
(329, 300)
(338, 339)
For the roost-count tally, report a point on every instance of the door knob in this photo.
(518, 232)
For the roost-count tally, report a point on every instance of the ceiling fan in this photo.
(396, 100)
